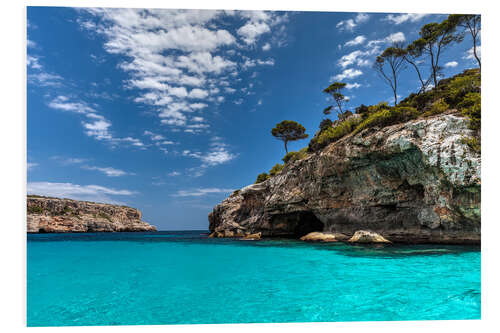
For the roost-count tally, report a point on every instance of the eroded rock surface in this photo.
(47, 215)
(365, 236)
(317, 236)
(410, 182)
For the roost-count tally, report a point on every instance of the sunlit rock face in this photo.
(48, 215)
(412, 182)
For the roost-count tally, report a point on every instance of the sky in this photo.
(170, 111)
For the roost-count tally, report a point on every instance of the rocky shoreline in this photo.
(415, 182)
(55, 215)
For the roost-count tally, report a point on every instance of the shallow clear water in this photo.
(187, 278)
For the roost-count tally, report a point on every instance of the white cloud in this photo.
(96, 126)
(249, 63)
(451, 64)
(352, 85)
(356, 41)
(252, 30)
(198, 119)
(201, 192)
(355, 57)
(198, 93)
(32, 62)
(198, 106)
(350, 24)
(44, 79)
(30, 43)
(349, 73)
(174, 174)
(108, 171)
(68, 160)
(470, 53)
(177, 57)
(217, 154)
(395, 37)
(153, 136)
(392, 38)
(63, 103)
(401, 18)
(77, 192)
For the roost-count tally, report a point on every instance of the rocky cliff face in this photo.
(410, 182)
(66, 215)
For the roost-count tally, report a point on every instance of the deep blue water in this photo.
(187, 278)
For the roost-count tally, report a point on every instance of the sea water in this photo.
(188, 278)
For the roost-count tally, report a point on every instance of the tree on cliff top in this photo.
(393, 59)
(289, 130)
(472, 23)
(334, 90)
(434, 38)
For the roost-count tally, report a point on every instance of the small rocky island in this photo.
(413, 182)
(54, 215)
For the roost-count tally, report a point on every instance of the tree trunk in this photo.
(286, 148)
(475, 52)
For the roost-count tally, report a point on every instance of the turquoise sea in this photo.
(188, 278)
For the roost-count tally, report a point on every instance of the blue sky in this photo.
(169, 111)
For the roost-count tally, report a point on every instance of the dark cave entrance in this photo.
(296, 224)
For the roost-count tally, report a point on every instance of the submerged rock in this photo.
(49, 215)
(411, 182)
(323, 237)
(364, 236)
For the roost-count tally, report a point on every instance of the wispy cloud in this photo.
(349, 73)
(69, 160)
(201, 192)
(78, 192)
(356, 41)
(402, 18)
(108, 171)
(352, 23)
(95, 125)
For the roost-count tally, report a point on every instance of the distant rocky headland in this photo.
(415, 182)
(54, 215)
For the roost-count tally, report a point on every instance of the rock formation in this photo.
(411, 182)
(65, 215)
(363, 236)
(316, 236)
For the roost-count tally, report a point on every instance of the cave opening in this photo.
(296, 224)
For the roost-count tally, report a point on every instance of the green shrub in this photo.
(333, 134)
(452, 90)
(295, 156)
(35, 210)
(437, 107)
(276, 169)
(470, 106)
(325, 124)
(461, 86)
(473, 143)
(261, 177)
(388, 117)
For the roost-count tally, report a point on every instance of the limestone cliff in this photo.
(410, 182)
(65, 215)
